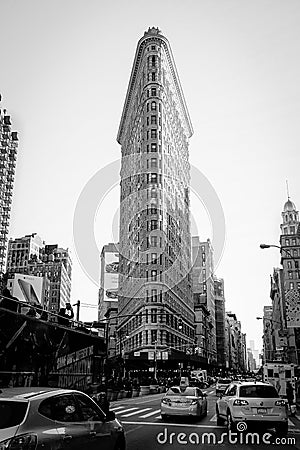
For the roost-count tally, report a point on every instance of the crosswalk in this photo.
(142, 413)
(123, 412)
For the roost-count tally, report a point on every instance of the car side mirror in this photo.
(111, 415)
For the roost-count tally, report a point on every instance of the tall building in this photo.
(21, 250)
(30, 255)
(204, 299)
(155, 285)
(290, 260)
(268, 344)
(8, 156)
(220, 322)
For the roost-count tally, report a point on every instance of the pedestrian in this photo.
(290, 396)
(101, 399)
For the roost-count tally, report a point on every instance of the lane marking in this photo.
(135, 412)
(173, 424)
(291, 424)
(150, 414)
(297, 417)
(115, 409)
(211, 392)
(214, 418)
(126, 410)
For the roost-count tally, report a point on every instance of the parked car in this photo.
(184, 401)
(222, 385)
(51, 418)
(250, 402)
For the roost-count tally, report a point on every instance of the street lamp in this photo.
(263, 246)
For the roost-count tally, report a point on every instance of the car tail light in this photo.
(166, 401)
(280, 403)
(240, 402)
(23, 442)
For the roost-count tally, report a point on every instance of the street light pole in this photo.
(155, 360)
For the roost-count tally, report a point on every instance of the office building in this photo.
(8, 157)
(155, 285)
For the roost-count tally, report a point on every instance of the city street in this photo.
(145, 429)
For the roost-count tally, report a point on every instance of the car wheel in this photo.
(230, 424)
(220, 421)
(121, 443)
(282, 429)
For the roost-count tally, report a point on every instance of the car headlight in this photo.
(194, 402)
(22, 442)
(166, 401)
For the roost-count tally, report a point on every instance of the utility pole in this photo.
(77, 304)
(155, 360)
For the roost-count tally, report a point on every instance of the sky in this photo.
(64, 73)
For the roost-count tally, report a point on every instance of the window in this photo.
(153, 120)
(153, 134)
(153, 193)
(153, 336)
(153, 76)
(153, 47)
(146, 337)
(153, 178)
(154, 315)
(62, 408)
(153, 161)
(153, 147)
(12, 413)
(154, 225)
(153, 275)
(258, 391)
(153, 241)
(153, 106)
(153, 92)
(291, 285)
(89, 411)
(153, 61)
(153, 258)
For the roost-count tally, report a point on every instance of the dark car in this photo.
(51, 418)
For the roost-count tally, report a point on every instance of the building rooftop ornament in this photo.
(289, 206)
(152, 30)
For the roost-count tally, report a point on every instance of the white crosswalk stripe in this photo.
(150, 414)
(135, 412)
(291, 424)
(117, 407)
(126, 410)
(214, 418)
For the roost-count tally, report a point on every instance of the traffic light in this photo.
(180, 325)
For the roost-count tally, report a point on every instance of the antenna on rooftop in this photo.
(287, 189)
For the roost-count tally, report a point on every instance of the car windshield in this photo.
(11, 413)
(258, 391)
(224, 381)
(176, 390)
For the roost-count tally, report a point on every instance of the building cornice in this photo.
(143, 42)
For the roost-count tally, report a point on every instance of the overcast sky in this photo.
(64, 72)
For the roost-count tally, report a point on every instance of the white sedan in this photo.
(183, 401)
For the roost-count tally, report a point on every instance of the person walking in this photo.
(290, 397)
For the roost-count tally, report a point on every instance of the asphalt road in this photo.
(145, 430)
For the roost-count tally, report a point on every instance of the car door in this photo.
(99, 430)
(223, 401)
(72, 432)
